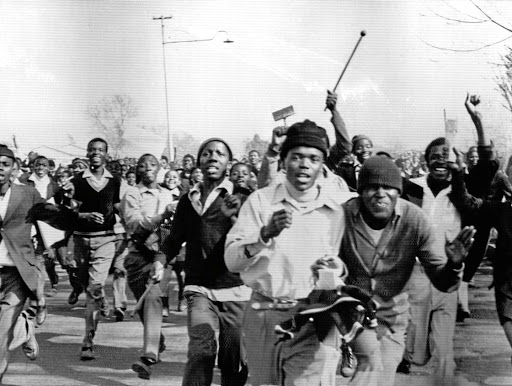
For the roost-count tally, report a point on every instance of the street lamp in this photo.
(162, 18)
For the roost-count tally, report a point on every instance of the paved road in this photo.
(482, 352)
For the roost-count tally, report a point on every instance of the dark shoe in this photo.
(162, 346)
(142, 368)
(348, 361)
(119, 314)
(73, 297)
(87, 354)
(30, 347)
(404, 367)
(461, 315)
(42, 312)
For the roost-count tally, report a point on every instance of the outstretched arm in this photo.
(342, 146)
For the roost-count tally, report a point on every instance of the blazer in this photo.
(15, 230)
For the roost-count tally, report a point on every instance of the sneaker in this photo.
(73, 297)
(165, 312)
(119, 314)
(142, 369)
(104, 307)
(42, 312)
(404, 367)
(87, 354)
(348, 361)
(30, 347)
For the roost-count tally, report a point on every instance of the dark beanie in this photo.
(213, 139)
(380, 171)
(6, 152)
(307, 134)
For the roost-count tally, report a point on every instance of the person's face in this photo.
(41, 167)
(163, 163)
(131, 179)
(187, 163)
(379, 202)
(124, 169)
(62, 176)
(363, 150)
(240, 175)
(214, 160)
(472, 158)
(303, 165)
(172, 179)
(437, 162)
(97, 154)
(254, 158)
(197, 176)
(114, 168)
(6, 169)
(79, 167)
(148, 168)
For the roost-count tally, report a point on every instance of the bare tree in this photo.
(504, 80)
(110, 116)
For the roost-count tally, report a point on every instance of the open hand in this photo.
(458, 249)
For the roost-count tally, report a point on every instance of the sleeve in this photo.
(177, 236)
(269, 168)
(342, 146)
(441, 272)
(243, 242)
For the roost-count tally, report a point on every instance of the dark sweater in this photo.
(205, 237)
(93, 201)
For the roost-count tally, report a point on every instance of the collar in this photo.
(195, 192)
(144, 189)
(88, 174)
(33, 177)
(281, 194)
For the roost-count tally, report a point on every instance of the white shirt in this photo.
(5, 258)
(41, 184)
(282, 267)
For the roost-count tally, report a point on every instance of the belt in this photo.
(262, 302)
(94, 234)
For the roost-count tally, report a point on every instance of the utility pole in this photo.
(170, 146)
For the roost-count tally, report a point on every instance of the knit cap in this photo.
(213, 139)
(380, 171)
(307, 134)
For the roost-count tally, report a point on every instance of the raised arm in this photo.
(270, 162)
(343, 145)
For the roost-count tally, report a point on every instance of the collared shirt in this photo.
(239, 293)
(41, 184)
(97, 183)
(5, 258)
(281, 268)
(195, 195)
(142, 207)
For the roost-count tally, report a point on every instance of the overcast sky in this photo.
(58, 57)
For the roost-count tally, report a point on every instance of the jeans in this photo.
(204, 316)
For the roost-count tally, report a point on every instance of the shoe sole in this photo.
(87, 357)
(142, 373)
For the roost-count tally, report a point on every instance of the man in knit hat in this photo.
(384, 235)
(282, 230)
(215, 297)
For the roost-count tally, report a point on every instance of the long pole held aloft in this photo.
(170, 146)
(362, 35)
